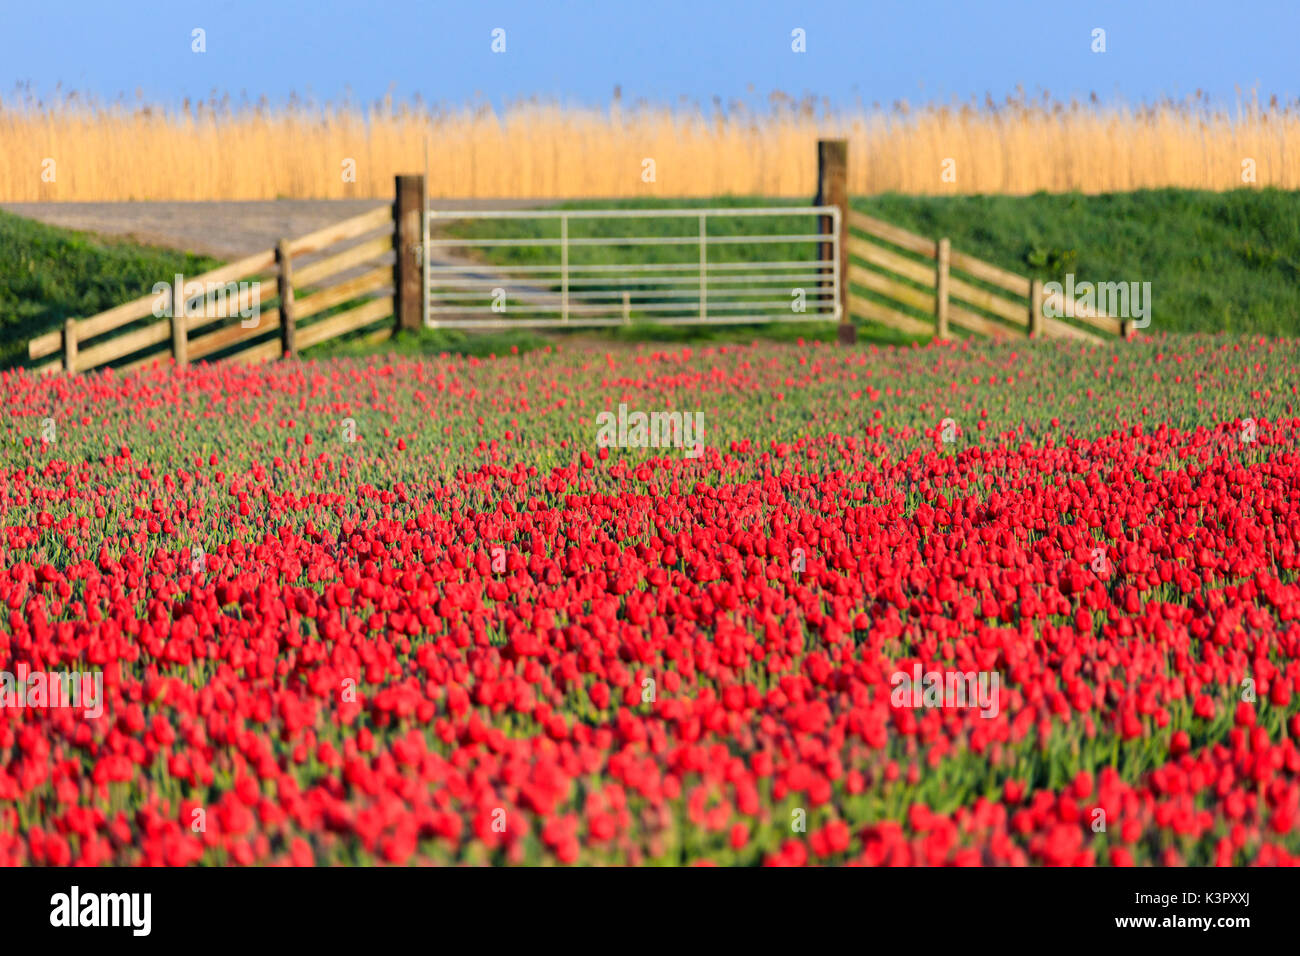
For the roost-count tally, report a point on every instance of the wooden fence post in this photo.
(1035, 308)
(833, 190)
(70, 345)
(284, 263)
(408, 272)
(942, 253)
(180, 341)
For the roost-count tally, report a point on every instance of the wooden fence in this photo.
(264, 306)
(954, 288)
(950, 288)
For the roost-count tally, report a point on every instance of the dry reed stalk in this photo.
(541, 151)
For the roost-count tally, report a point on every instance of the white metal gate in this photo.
(555, 268)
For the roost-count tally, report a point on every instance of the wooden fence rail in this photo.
(250, 309)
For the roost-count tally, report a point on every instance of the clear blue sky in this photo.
(660, 50)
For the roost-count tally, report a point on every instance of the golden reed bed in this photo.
(71, 152)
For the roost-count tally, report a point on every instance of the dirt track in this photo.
(223, 230)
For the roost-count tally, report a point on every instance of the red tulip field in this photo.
(968, 604)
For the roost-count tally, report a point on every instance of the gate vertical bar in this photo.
(838, 279)
(564, 268)
(704, 266)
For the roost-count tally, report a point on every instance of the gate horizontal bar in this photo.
(601, 323)
(629, 241)
(635, 213)
(635, 267)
